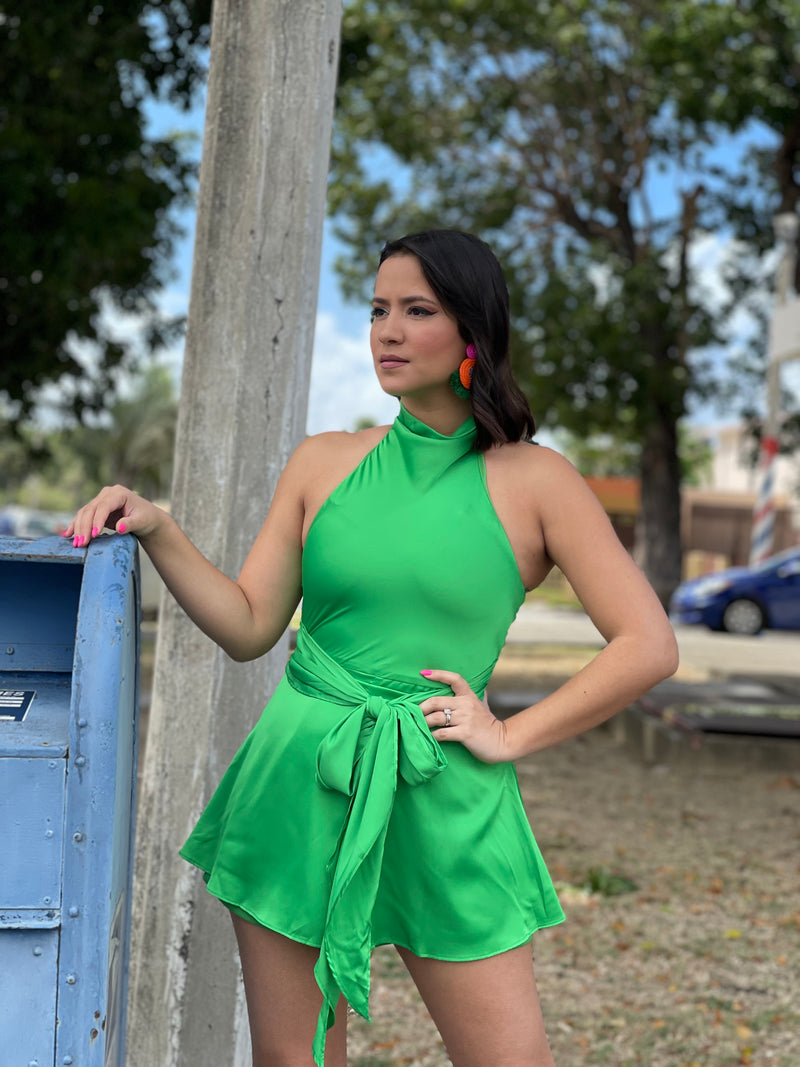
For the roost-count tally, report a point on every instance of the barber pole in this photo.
(762, 539)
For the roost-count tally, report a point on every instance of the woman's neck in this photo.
(441, 414)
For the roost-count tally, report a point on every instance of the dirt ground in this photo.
(697, 966)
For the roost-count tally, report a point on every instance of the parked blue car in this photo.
(744, 600)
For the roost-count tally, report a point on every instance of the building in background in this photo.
(717, 514)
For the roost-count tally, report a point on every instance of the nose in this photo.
(390, 328)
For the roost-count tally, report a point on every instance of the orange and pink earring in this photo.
(461, 380)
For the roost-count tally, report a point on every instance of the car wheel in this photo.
(743, 617)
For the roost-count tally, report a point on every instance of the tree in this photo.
(86, 192)
(543, 127)
(755, 77)
(137, 445)
(133, 443)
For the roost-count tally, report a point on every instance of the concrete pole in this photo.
(243, 409)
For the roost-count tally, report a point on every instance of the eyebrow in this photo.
(405, 300)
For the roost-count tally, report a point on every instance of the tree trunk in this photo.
(243, 409)
(661, 504)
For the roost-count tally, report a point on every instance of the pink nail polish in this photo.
(426, 673)
(95, 531)
(82, 541)
(122, 527)
(75, 540)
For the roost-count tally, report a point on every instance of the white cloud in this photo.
(343, 383)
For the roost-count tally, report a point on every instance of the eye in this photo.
(376, 313)
(419, 312)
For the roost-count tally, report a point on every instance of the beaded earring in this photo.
(461, 379)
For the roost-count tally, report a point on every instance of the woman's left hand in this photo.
(469, 721)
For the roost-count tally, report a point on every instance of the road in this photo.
(773, 654)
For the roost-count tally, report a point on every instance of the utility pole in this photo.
(243, 408)
(784, 344)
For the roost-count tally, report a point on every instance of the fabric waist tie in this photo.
(361, 757)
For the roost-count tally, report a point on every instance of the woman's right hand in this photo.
(118, 509)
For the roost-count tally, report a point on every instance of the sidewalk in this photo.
(704, 654)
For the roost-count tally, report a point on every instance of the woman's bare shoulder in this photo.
(528, 459)
(541, 478)
(324, 458)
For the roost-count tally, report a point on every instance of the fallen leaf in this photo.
(744, 1032)
(732, 935)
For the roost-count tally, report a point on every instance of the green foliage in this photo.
(86, 193)
(133, 444)
(541, 128)
(579, 140)
(601, 456)
(605, 456)
(599, 880)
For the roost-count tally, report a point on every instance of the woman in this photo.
(376, 801)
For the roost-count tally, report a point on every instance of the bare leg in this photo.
(283, 1000)
(487, 1011)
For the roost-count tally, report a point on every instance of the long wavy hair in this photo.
(469, 283)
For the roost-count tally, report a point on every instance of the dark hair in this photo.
(468, 281)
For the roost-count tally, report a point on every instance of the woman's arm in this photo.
(641, 649)
(247, 616)
(619, 600)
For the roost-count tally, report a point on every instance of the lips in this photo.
(392, 360)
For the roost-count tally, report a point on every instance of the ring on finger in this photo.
(448, 715)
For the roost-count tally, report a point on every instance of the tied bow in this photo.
(360, 757)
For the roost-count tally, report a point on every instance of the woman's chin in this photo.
(390, 389)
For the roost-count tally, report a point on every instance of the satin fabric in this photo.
(341, 822)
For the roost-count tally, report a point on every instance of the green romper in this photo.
(341, 822)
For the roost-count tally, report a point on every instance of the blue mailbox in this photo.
(69, 634)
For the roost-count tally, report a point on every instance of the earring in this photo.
(461, 380)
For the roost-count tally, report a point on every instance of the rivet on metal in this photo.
(80, 761)
(83, 722)
(37, 951)
(45, 900)
(68, 1060)
(48, 833)
(77, 836)
(71, 979)
(74, 912)
(10, 650)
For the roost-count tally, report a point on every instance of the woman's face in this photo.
(415, 343)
